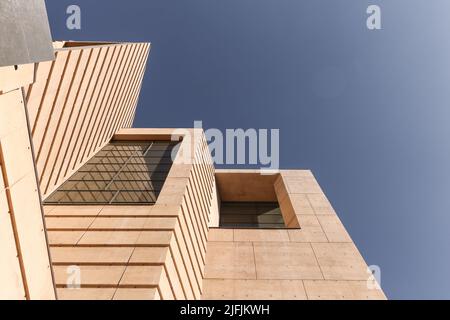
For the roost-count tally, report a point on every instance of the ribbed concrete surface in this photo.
(79, 101)
(138, 252)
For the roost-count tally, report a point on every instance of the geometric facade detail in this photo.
(318, 260)
(139, 251)
(79, 101)
(129, 172)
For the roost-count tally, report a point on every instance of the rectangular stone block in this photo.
(320, 204)
(215, 289)
(136, 294)
(139, 276)
(302, 185)
(91, 255)
(265, 235)
(310, 230)
(88, 275)
(301, 204)
(340, 261)
(230, 260)
(341, 290)
(286, 261)
(64, 237)
(85, 293)
(333, 228)
(216, 234)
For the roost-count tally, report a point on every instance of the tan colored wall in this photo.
(121, 251)
(70, 107)
(25, 271)
(317, 261)
(78, 103)
(139, 252)
(168, 251)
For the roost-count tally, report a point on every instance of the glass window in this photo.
(251, 215)
(123, 172)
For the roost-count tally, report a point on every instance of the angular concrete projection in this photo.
(70, 107)
(140, 251)
(79, 101)
(312, 258)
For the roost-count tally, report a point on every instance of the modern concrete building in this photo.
(91, 208)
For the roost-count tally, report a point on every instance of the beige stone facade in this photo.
(313, 258)
(55, 115)
(79, 101)
(61, 113)
(25, 270)
(139, 252)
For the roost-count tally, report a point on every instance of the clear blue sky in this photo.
(367, 111)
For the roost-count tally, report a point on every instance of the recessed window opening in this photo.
(123, 172)
(247, 199)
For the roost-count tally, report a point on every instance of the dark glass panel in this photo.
(251, 215)
(125, 172)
